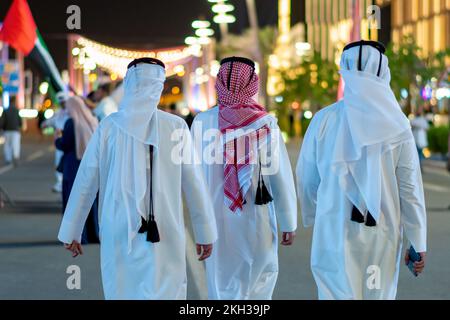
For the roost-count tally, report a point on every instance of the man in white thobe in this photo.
(136, 188)
(244, 264)
(360, 185)
(107, 105)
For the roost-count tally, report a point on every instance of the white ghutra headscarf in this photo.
(137, 118)
(373, 124)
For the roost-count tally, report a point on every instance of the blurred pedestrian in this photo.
(250, 198)
(90, 100)
(106, 105)
(420, 127)
(130, 162)
(360, 184)
(76, 134)
(11, 124)
(57, 122)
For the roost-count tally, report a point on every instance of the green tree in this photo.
(410, 71)
(315, 80)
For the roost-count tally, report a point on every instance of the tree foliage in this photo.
(315, 80)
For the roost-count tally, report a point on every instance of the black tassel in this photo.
(266, 196)
(357, 216)
(143, 227)
(263, 195)
(259, 198)
(152, 232)
(370, 221)
(150, 227)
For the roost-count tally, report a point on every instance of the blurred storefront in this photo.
(329, 24)
(427, 20)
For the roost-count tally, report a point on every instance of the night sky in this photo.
(143, 24)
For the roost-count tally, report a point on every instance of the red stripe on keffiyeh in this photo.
(238, 110)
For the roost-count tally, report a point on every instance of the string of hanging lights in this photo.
(90, 54)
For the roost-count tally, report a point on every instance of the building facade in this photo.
(428, 21)
(329, 24)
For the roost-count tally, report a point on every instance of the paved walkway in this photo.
(33, 264)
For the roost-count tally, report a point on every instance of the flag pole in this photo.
(21, 91)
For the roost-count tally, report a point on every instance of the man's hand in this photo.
(418, 265)
(288, 238)
(58, 133)
(204, 251)
(74, 247)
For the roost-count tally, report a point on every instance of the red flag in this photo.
(19, 28)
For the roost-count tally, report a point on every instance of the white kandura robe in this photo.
(244, 262)
(148, 271)
(343, 250)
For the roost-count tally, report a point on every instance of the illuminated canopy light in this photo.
(28, 113)
(199, 71)
(90, 64)
(75, 51)
(217, 1)
(204, 32)
(214, 68)
(204, 40)
(179, 68)
(224, 18)
(198, 24)
(303, 46)
(308, 115)
(43, 87)
(222, 8)
(185, 111)
(191, 41)
(49, 113)
(115, 60)
(195, 50)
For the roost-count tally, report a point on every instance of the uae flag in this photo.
(20, 32)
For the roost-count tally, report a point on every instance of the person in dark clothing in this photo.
(76, 134)
(189, 119)
(11, 123)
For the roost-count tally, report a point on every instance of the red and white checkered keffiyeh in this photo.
(238, 111)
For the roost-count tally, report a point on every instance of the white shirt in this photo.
(420, 127)
(106, 106)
